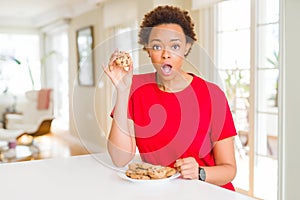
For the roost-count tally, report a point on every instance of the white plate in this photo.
(123, 176)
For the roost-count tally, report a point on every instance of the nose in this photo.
(166, 54)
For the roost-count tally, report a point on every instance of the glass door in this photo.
(247, 60)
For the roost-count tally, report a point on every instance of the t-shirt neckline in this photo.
(177, 92)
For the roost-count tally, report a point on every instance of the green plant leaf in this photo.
(8, 58)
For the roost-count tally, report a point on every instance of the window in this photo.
(266, 112)
(23, 68)
(247, 49)
(19, 77)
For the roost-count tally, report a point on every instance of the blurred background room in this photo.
(55, 100)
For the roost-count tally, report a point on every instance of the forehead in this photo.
(167, 32)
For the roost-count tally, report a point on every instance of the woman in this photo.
(174, 118)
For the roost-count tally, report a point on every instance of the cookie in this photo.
(129, 173)
(141, 171)
(145, 165)
(157, 172)
(140, 177)
(133, 166)
(170, 171)
(123, 60)
(146, 171)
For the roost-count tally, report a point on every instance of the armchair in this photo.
(37, 115)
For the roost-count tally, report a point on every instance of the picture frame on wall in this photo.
(85, 58)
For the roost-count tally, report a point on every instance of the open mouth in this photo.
(166, 69)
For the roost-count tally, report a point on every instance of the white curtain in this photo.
(55, 69)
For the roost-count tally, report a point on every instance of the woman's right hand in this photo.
(121, 78)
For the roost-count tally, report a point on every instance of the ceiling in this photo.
(39, 13)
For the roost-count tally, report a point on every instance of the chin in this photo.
(166, 77)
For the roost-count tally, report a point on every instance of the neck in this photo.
(176, 84)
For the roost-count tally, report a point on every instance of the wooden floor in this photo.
(52, 145)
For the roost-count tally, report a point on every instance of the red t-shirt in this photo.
(169, 126)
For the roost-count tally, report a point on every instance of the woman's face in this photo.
(167, 47)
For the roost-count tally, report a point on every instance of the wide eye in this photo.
(156, 47)
(176, 47)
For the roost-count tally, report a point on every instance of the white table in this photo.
(87, 178)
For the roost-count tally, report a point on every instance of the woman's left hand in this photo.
(188, 167)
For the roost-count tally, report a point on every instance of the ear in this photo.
(149, 53)
(187, 48)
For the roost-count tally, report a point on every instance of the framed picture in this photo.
(85, 59)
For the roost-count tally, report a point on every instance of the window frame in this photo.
(253, 98)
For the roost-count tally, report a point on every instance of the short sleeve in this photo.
(222, 121)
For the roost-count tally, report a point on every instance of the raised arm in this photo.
(121, 141)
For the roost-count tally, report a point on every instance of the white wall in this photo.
(291, 129)
(83, 107)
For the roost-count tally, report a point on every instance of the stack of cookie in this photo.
(146, 171)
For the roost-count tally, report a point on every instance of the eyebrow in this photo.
(172, 40)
